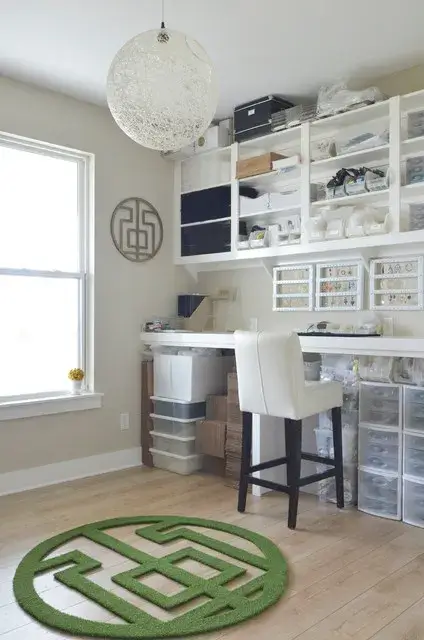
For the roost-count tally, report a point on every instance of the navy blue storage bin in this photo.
(208, 204)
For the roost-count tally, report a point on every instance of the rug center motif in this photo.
(220, 605)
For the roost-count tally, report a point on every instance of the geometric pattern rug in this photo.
(221, 575)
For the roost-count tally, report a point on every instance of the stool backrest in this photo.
(270, 372)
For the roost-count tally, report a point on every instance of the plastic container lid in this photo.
(172, 419)
(176, 401)
(173, 455)
(169, 437)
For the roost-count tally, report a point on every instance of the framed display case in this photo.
(293, 287)
(397, 284)
(339, 286)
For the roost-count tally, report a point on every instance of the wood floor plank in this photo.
(351, 575)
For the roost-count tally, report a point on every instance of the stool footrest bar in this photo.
(312, 457)
(268, 465)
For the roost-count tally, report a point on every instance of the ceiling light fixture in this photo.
(162, 89)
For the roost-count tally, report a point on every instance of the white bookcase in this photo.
(399, 199)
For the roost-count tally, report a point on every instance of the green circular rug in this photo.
(223, 607)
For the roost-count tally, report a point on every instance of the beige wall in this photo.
(254, 285)
(125, 293)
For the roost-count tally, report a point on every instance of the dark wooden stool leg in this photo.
(293, 429)
(336, 415)
(246, 453)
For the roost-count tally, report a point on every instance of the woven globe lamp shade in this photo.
(162, 89)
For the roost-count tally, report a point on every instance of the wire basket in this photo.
(278, 120)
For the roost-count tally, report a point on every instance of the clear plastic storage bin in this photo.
(178, 409)
(414, 456)
(174, 427)
(379, 450)
(183, 465)
(414, 408)
(379, 495)
(174, 444)
(413, 503)
(379, 404)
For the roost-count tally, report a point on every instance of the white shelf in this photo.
(373, 197)
(411, 146)
(197, 224)
(351, 159)
(209, 186)
(411, 193)
(270, 214)
(272, 178)
(279, 140)
(352, 117)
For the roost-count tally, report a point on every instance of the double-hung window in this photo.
(44, 266)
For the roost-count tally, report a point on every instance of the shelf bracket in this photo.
(268, 265)
(365, 256)
(192, 271)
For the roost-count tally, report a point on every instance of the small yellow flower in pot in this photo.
(76, 376)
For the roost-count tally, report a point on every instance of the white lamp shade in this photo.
(162, 89)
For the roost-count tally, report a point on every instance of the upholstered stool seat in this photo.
(271, 382)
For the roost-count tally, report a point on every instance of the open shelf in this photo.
(197, 224)
(368, 197)
(270, 214)
(363, 156)
(412, 146)
(271, 179)
(227, 183)
(285, 139)
(353, 117)
(413, 192)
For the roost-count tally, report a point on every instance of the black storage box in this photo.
(253, 118)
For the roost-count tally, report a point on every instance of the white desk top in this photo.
(383, 346)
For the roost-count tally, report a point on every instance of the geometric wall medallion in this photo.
(136, 229)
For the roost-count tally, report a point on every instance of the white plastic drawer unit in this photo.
(379, 494)
(413, 502)
(413, 457)
(380, 450)
(380, 404)
(414, 408)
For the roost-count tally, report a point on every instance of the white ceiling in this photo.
(258, 46)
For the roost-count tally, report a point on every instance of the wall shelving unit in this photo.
(218, 167)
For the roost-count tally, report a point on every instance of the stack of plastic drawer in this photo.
(174, 434)
(380, 449)
(413, 456)
(341, 368)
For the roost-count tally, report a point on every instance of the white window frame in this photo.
(29, 405)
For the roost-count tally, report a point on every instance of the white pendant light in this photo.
(162, 89)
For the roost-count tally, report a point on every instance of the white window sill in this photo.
(30, 408)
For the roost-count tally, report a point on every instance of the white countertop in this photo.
(382, 346)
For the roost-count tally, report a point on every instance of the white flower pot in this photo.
(76, 386)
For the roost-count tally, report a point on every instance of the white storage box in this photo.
(174, 426)
(414, 409)
(168, 408)
(183, 465)
(174, 444)
(190, 377)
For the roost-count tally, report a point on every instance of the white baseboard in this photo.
(26, 479)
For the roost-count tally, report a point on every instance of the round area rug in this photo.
(202, 602)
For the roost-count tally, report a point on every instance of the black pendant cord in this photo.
(162, 25)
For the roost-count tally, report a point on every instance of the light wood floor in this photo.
(351, 575)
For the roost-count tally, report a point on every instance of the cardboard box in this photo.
(234, 415)
(232, 388)
(216, 408)
(257, 165)
(214, 466)
(211, 438)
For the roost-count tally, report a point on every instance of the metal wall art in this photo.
(136, 229)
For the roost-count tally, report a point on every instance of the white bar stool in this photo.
(271, 382)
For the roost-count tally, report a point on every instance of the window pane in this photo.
(38, 334)
(38, 211)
